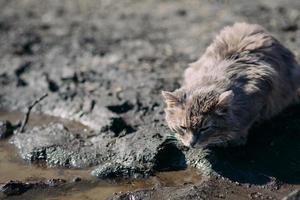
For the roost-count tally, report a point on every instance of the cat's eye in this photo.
(181, 133)
(183, 127)
(204, 129)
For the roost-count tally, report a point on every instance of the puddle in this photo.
(103, 190)
(12, 167)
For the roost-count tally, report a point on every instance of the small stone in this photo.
(221, 196)
(237, 183)
(181, 12)
(14, 188)
(114, 170)
(6, 129)
(76, 179)
(55, 182)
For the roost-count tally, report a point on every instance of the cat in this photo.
(244, 76)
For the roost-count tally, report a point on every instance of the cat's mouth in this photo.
(199, 140)
(203, 141)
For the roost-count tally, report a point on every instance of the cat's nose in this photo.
(193, 143)
(194, 140)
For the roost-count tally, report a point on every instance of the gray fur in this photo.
(245, 67)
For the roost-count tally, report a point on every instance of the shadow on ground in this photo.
(273, 150)
(169, 157)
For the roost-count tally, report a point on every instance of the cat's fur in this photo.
(244, 76)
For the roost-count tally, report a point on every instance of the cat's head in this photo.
(202, 119)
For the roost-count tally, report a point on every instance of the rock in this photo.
(175, 193)
(76, 179)
(33, 143)
(131, 156)
(55, 182)
(12, 188)
(15, 188)
(57, 146)
(126, 156)
(114, 170)
(6, 129)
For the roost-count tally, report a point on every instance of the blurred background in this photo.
(110, 46)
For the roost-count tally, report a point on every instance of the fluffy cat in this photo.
(244, 76)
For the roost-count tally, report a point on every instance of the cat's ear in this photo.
(224, 101)
(225, 98)
(170, 98)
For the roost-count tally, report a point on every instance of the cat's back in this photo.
(230, 41)
(247, 56)
(240, 40)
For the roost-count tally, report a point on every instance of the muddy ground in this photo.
(103, 64)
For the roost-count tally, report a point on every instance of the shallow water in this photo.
(103, 191)
(12, 167)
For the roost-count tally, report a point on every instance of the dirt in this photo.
(21, 180)
(104, 64)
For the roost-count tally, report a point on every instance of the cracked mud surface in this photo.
(104, 64)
